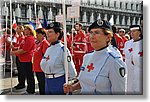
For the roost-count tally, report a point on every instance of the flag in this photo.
(45, 24)
(31, 23)
(111, 21)
(38, 23)
(14, 25)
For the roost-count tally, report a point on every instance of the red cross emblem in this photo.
(47, 58)
(141, 53)
(90, 67)
(130, 50)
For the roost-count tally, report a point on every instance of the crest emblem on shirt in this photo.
(90, 67)
(122, 71)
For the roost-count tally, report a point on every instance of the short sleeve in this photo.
(118, 77)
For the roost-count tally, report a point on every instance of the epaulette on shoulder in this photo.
(114, 55)
(62, 47)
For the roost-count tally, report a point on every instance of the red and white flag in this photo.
(14, 25)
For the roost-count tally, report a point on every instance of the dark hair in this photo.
(60, 31)
(114, 29)
(80, 25)
(8, 31)
(41, 31)
(13, 31)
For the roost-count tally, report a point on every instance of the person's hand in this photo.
(12, 52)
(11, 46)
(67, 88)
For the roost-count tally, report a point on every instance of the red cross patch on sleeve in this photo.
(141, 53)
(90, 67)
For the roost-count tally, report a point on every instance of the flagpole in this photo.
(5, 41)
(11, 39)
(35, 11)
(65, 42)
(72, 36)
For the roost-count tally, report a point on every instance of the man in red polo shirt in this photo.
(124, 39)
(79, 46)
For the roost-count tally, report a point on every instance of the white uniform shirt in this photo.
(53, 61)
(102, 72)
(128, 50)
(114, 49)
(134, 56)
(138, 63)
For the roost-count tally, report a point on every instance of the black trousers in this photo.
(41, 82)
(27, 71)
(21, 76)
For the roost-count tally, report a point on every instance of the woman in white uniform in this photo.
(134, 58)
(52, 63)
(102, 71)
(127, 51)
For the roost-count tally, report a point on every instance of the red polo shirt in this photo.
(19, 40)
(28, 46)
(20, 43)
(38, 53)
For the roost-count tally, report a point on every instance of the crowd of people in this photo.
(101, 60)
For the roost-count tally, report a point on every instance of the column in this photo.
(123, 21)
(99, 2)
(133, 21)
(105, 17)
(92, 18)
(84, 18)
(138, 23)
(117, 20)
(18, 11)
(50, 14)
(128, 21)
(29, 13)
(40, 13)
(99, 16)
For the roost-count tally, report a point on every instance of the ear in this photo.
(108, 38)
(58, 34)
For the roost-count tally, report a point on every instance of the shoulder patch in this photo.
(114, 55)
(82, 68)
(122, 71)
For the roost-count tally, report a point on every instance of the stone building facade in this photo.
(124, 12)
